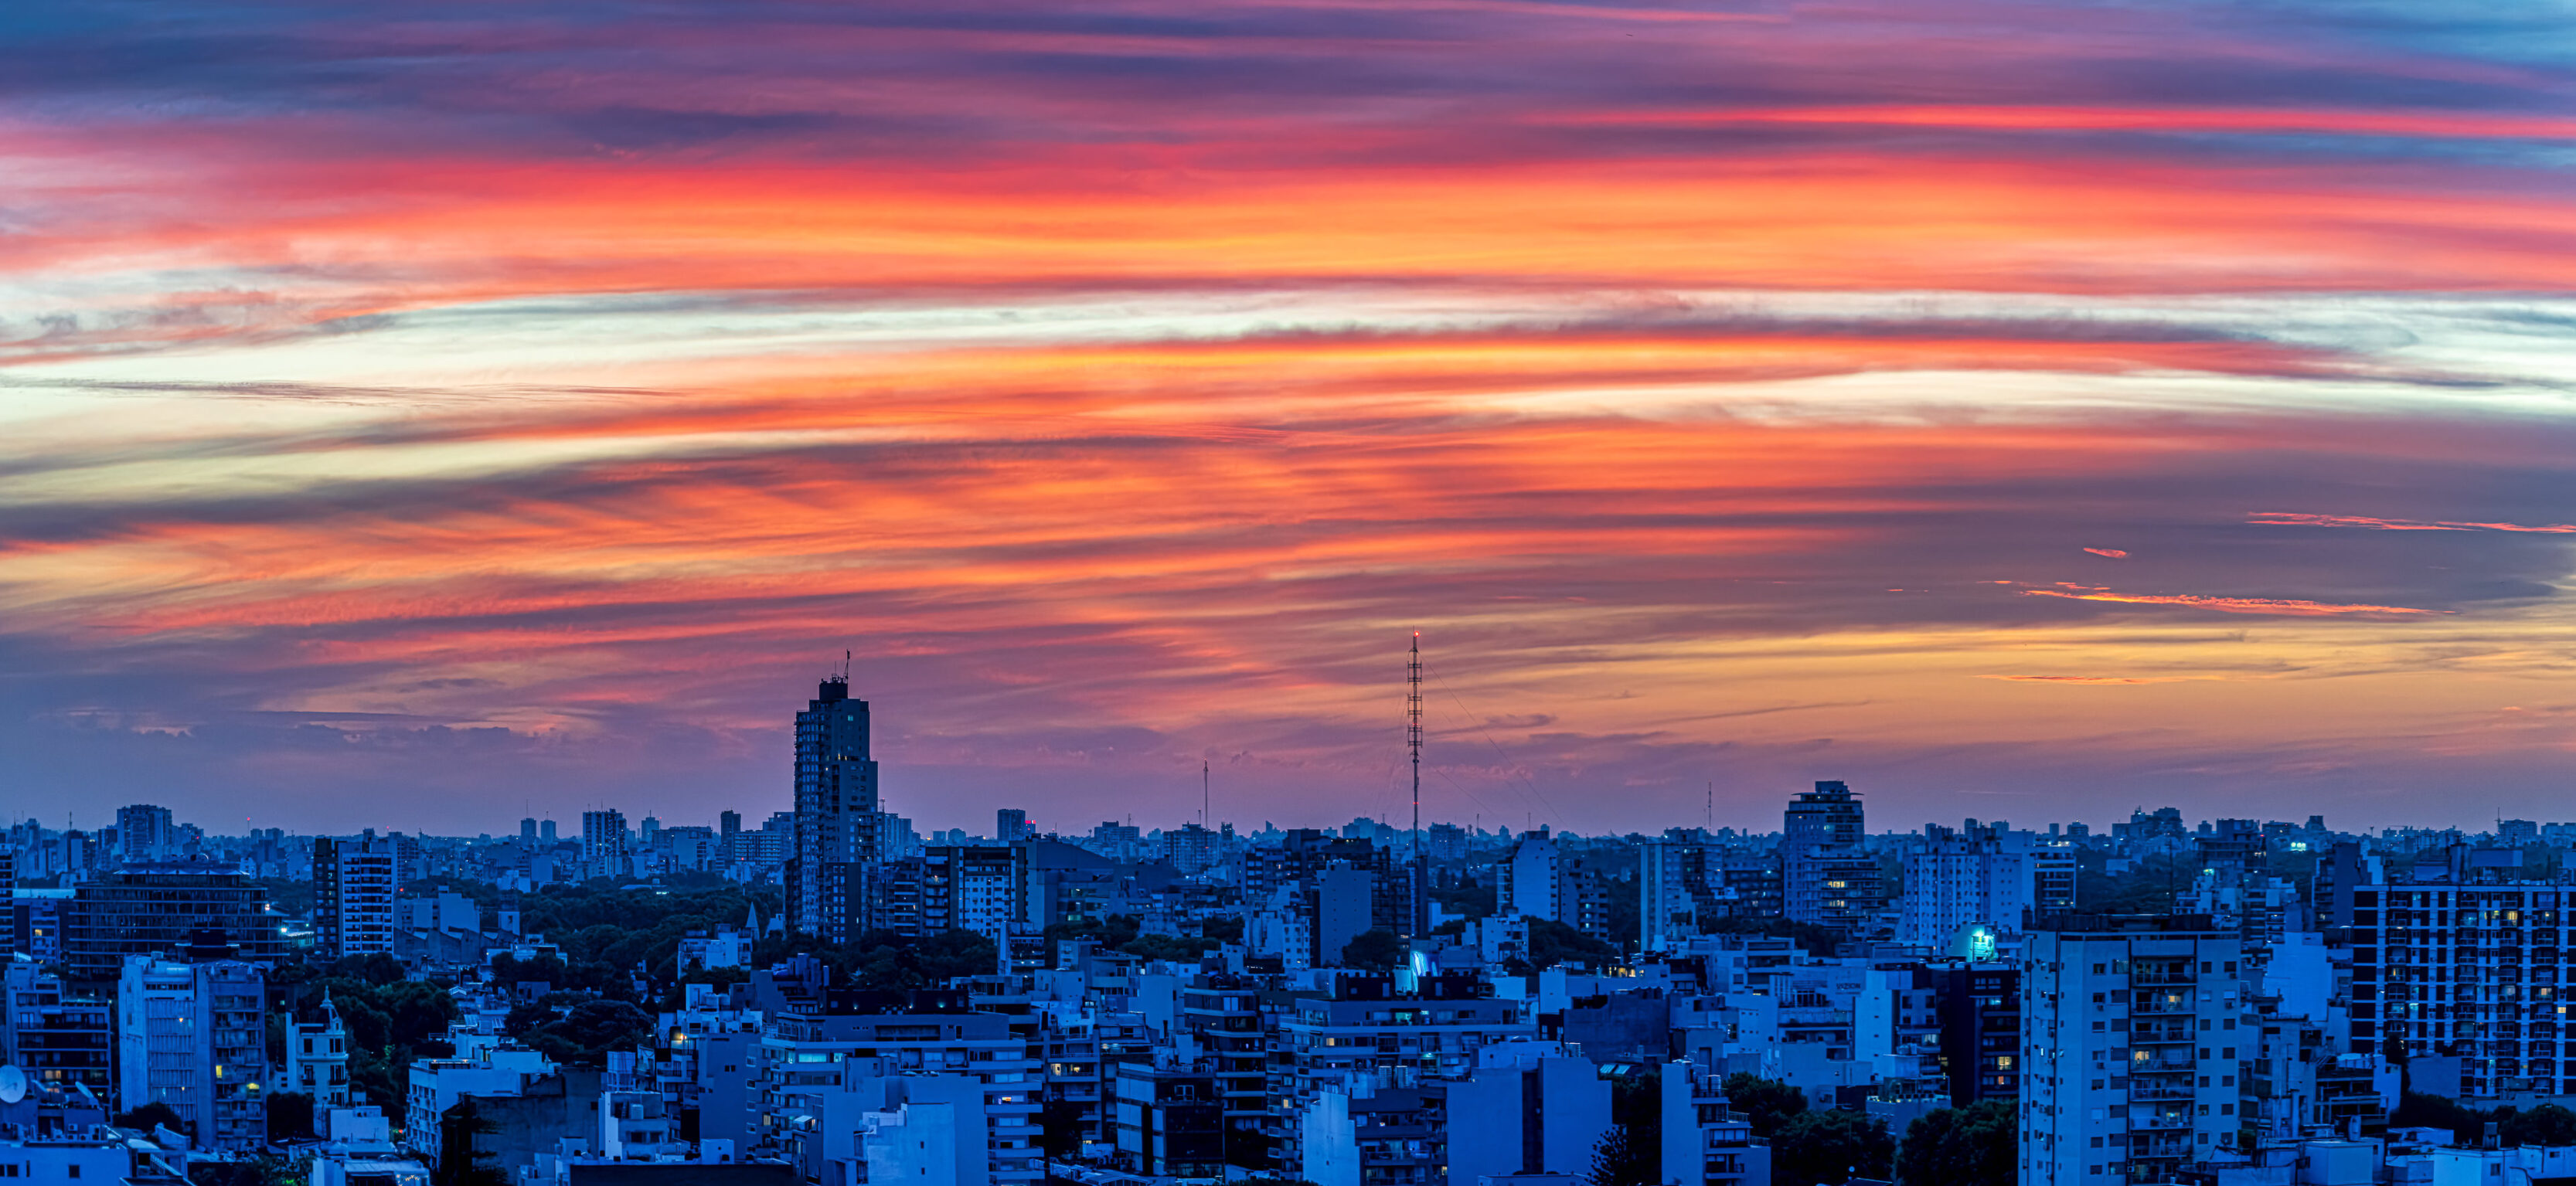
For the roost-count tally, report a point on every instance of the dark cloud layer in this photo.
(419, 413)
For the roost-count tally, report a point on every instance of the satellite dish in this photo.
(13, 1085)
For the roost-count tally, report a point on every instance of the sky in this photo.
(419, 416)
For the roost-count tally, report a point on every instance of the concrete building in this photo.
(1981, 876)
(357, 1149)
(317, 1060)
(1372, 1032)
(145, 835)
(1827, 876)
(1543, 880)
(154, 910)
(836, 809)
(2469, 969)
(484, 1067)
(812, 1057)
(1360, 1134)
(606, 848)
(2133, 1048)
(1980, 1009)
(355, 886)
(195, 1037)
(1222, 1013)
(59, 1036)
(1528, 1107)
(1704, 1142)
(1169, 1121)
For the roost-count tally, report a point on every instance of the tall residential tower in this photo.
(1827, 876)
(836, 809)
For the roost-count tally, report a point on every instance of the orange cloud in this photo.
(2235, 605)
(2113, 553)
(2294, 519)
(2095, 679)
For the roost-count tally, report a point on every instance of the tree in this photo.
(2548, 1124)
(584, 1036)
(1637, 1109)
(1553, 943)
(1474, 899)
(1619, 1159)
(1971, 1144)
(1767, 1103)
(2417, 1109)
(1062, 1128)
(262, 1169)
(290, 1116)
(149, 1115)
(1830, 1148)
(1373, 951)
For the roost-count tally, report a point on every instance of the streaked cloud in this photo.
(2292, 519)
(2230, 605)
(500, 408)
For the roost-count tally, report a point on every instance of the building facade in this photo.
(355, 885)
(1828, 877)
(2133, 1051)
(195, 1037)
(836, 808)
(165, 908)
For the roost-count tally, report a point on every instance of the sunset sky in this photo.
(417, 416)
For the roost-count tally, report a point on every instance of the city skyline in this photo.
(2000, 408)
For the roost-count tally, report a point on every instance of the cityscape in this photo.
(828, 995)
(1288, 593)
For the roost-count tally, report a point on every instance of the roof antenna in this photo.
(845, 666)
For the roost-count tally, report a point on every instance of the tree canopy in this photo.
(1829, 1148)
(1767, 1103)
(1373, 951)
(1977, 1143)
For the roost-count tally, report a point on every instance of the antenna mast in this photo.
(1413, 736)
(1413, 742)
(1207, 817)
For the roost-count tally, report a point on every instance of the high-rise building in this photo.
(528, 833)
(144, 834)
(58, 1036)
(836, 806)
(546, 832)
(728, 826)
(2132, 1056)
(355, 883)
(1009, 824)
(166, 908)
(2474, 968)
(1688, 883)
(603, 844)
(1827, 876)
(1983, 876)
(195, 1037)
(1979, 1006)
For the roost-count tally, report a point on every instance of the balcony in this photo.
(2165, 1034)
(2160, 1148)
